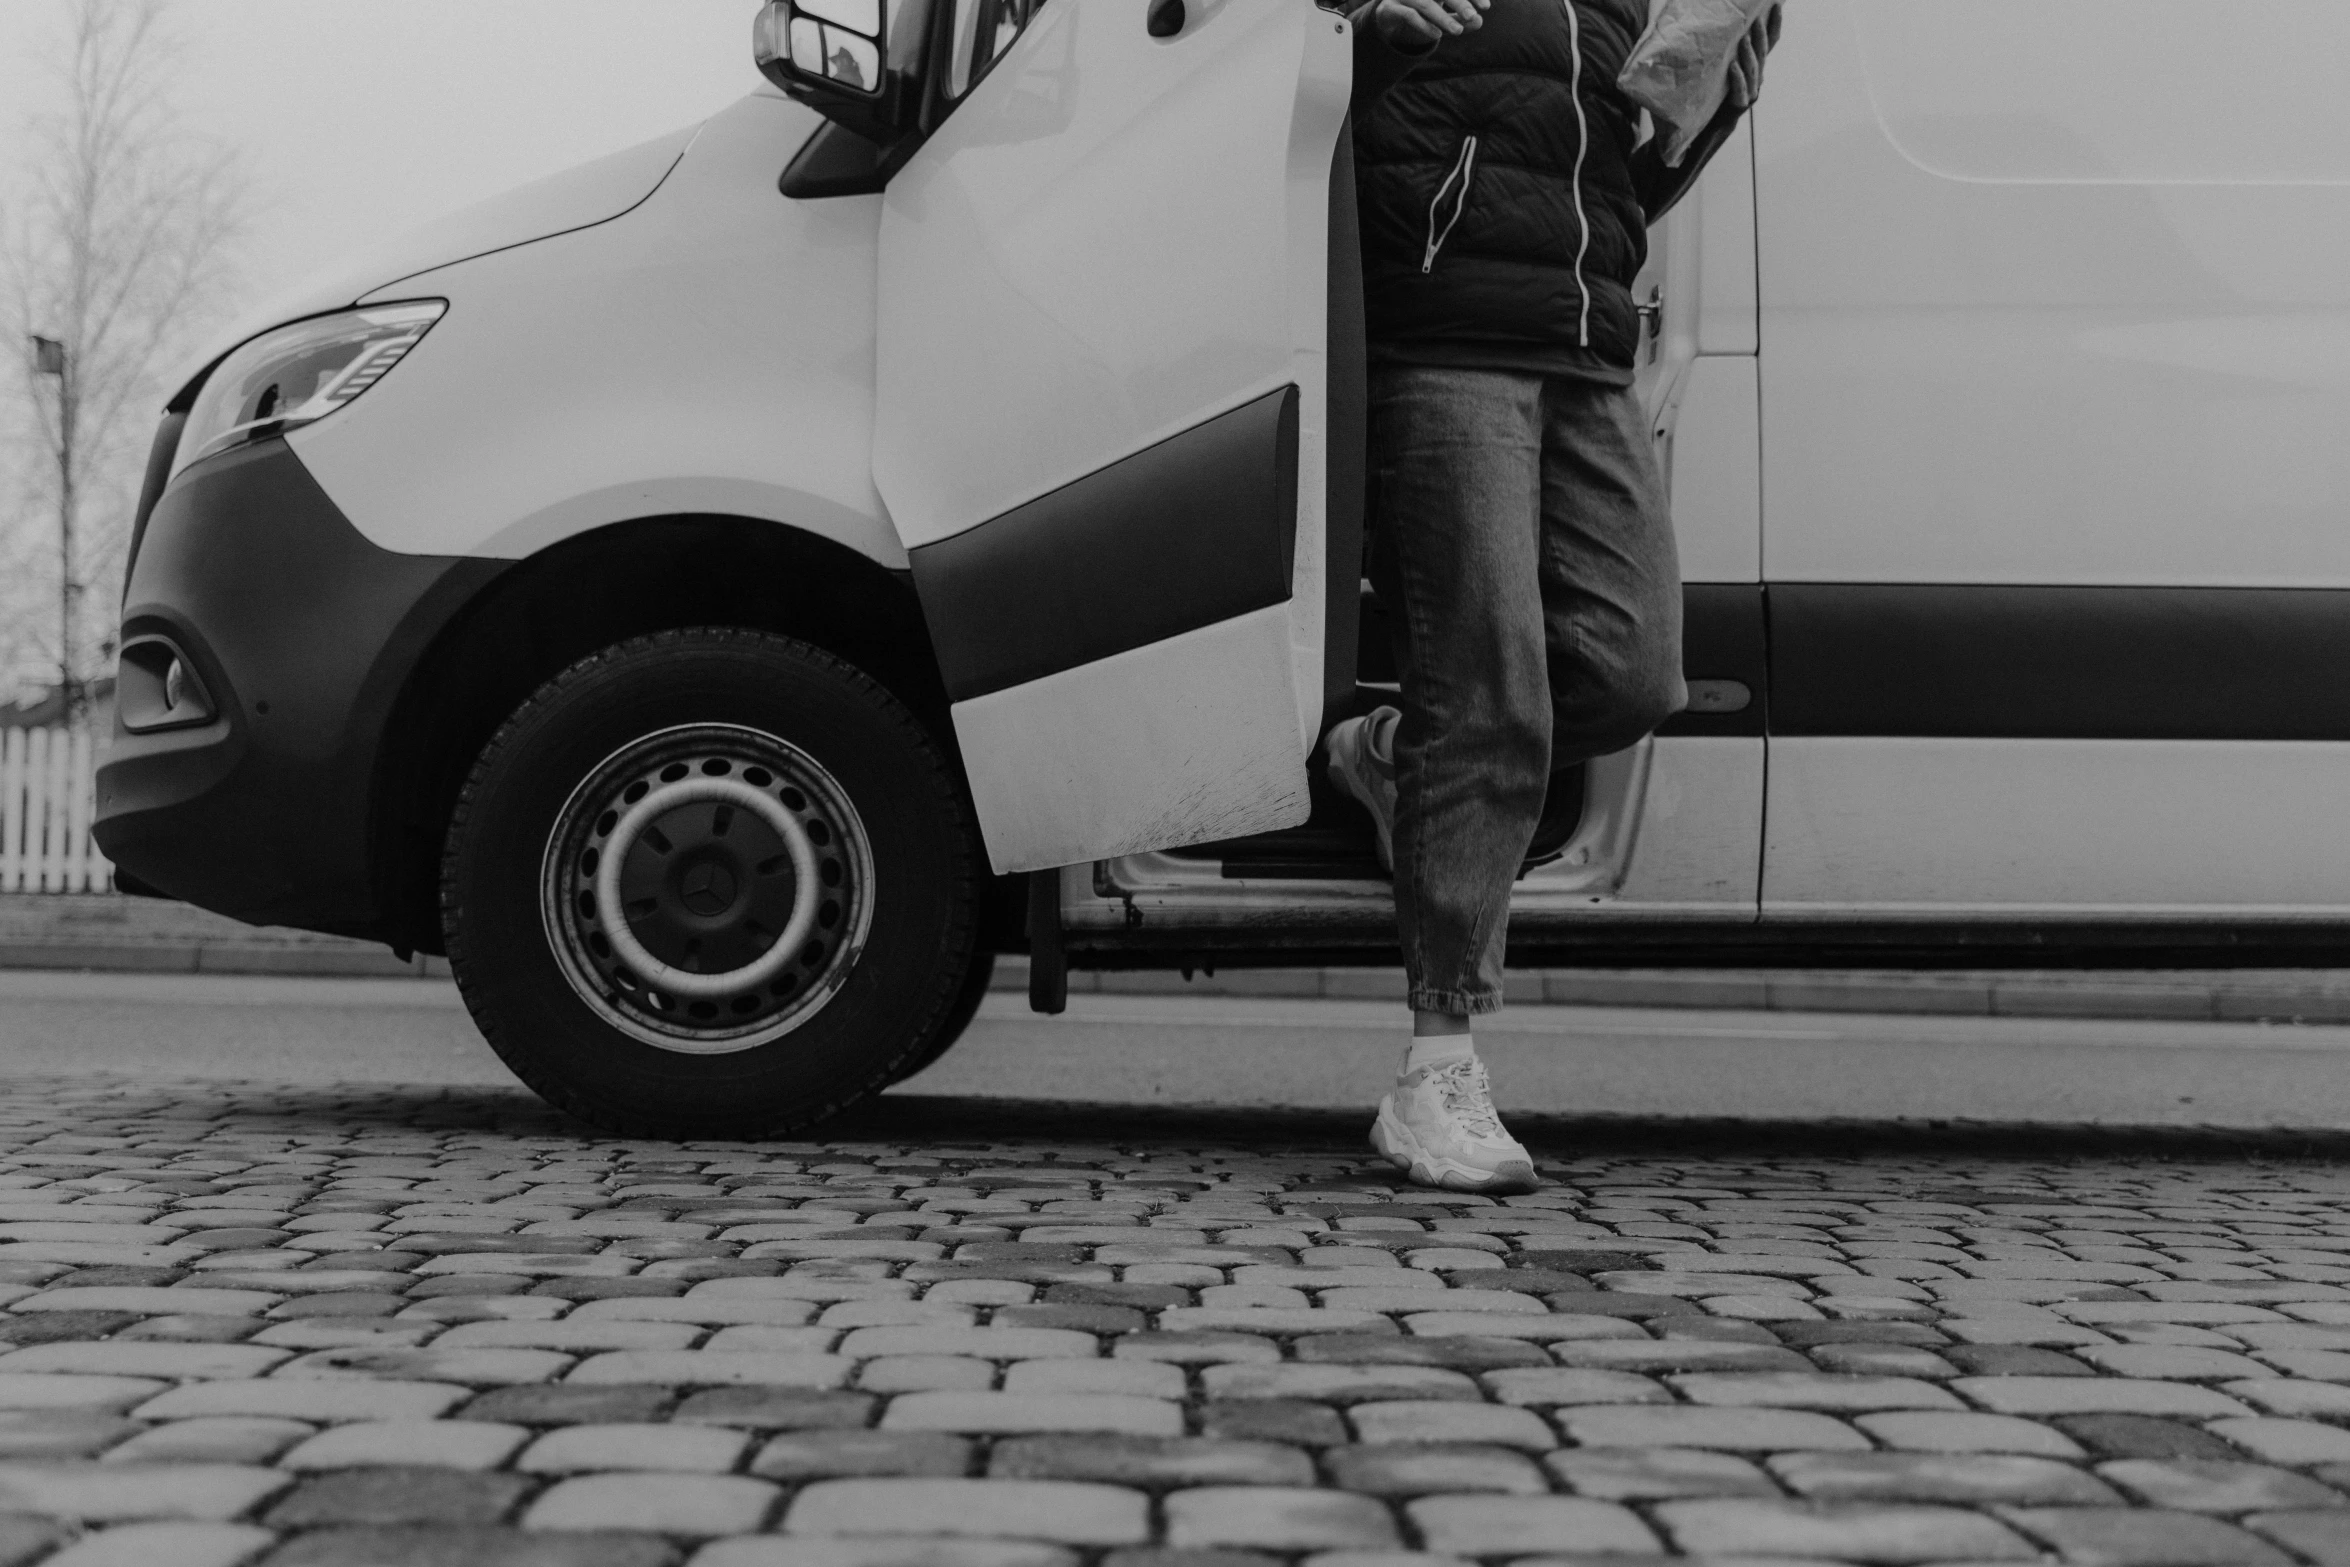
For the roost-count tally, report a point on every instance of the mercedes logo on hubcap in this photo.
(707, 890)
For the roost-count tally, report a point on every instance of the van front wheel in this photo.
(710, 883)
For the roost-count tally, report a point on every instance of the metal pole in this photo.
(51, 358)
(68, 589)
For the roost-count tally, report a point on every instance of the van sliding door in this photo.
(2056, 401)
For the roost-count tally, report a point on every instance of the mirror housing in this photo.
(834, 56)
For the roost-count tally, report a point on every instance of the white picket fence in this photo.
(48, 792)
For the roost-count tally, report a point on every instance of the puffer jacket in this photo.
(1501, 210)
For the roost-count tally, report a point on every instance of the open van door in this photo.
(1101, 412)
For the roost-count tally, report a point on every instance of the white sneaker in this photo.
(1358, 771)
(1439, 1126)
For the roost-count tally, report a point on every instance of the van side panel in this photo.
(2057, 294)
(709, 353)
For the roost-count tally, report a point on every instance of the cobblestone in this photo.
(2323, 1537)
(1418, 1471)
(1497, 1525)
(2121, 1537)
(1876, 1534)
(884, 1551)
(1942, 1477)
(398, 1495)
(1279, 1518)
(107, 1493)
(377, 1327)
(1015, 1412)
(357, 1398)
(1652, 1473)
(652, 1448)
(1745, 1430)
(454, 1444)
(696, 1506)
(1407, 1420)
(1066, 1512)
(2286, 1441)
(1935, 1432)
(158, 1544)
(2211, 1486)
(1130, 1460)
(221, 1439)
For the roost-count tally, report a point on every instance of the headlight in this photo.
(297, 375)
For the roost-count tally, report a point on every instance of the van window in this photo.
(984, 29)
(2129, 92)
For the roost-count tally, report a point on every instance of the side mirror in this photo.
(833, 56)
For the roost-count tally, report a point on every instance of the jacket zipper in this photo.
(1464, 168)
(1582, 145)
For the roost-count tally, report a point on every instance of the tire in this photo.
(958, 1018)
(711, 883)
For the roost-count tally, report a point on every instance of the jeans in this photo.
(1523, 548)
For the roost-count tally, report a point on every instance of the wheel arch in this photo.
(621, 580)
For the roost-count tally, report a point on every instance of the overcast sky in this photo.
(361, 120)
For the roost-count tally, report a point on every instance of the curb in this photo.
(109, 932)
(105, 932)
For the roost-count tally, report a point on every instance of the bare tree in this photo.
(118, 247)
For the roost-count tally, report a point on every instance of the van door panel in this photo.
(1112, 242)
(2055, 338)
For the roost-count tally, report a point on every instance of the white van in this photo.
(722, 594)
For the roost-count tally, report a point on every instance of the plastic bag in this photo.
(1679, 71)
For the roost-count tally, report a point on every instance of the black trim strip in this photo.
(1722, 640)
(2092, 663)
(1195, 530)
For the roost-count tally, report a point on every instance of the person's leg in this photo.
(1457, 526)
(1611, 576)
(1460, 497)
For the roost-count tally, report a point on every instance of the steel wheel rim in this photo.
(707, 889)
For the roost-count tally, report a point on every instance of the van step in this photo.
(1336, 842)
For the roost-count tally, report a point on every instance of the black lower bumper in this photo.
(303, 634)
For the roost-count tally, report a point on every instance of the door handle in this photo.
(1166, 18)
(1652, 315)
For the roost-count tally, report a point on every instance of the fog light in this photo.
(157, 688)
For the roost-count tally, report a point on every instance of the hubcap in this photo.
(707, 889)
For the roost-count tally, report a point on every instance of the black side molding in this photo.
(1723, 647)
(1197, 529)
(2088, 663)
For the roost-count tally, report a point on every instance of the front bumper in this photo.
(303, 634)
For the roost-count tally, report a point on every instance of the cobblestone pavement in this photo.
(387, 1327)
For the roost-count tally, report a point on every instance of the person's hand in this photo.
(1421, 24)
(1746, 71)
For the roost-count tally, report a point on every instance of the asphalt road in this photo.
(1244, 1053)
